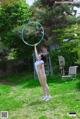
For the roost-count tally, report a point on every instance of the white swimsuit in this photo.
(37, 63)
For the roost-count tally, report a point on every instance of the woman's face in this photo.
(39, 57)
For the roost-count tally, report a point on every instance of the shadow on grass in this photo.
(56, 78)
(26, 80)
(23, 79)
(78, 84)
(36, 103)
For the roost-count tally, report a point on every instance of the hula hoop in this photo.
(42, 37)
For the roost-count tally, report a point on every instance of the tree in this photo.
(53, 18)
(13, 15)
(59, 22)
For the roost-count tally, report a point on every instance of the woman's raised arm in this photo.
(35, 49)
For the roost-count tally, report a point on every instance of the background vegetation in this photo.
(59, 22)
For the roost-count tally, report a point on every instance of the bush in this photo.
(70, 55)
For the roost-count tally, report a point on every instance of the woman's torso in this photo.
(38, 66)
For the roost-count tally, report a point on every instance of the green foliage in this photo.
(20, 50)
(70, 49)
(9, 2)
(13, 16)
(55, 17)
(72, 33)
(66, 50)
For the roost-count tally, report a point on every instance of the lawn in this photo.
(20, 95)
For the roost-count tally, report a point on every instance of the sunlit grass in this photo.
(21, 96)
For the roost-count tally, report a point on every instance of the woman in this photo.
(40, 70)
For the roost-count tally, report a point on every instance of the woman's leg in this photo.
(43, 82)
(46, 88)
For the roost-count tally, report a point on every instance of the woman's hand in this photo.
(35, 45)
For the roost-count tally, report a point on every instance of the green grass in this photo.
(20, 95)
